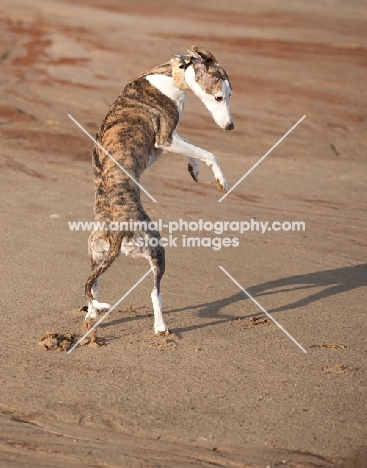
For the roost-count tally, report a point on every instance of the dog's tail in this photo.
(115, 240)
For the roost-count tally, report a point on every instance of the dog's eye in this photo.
(218, 98)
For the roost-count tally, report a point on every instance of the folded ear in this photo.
(200, 52)
(193, 54)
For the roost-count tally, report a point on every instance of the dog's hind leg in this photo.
(98, 247)
(157, 262)
(95, 306)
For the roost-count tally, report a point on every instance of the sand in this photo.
(227, 387)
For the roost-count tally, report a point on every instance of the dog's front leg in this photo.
(180, 145)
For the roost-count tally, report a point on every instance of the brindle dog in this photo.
(139, 125)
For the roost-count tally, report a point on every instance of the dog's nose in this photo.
(230, 126)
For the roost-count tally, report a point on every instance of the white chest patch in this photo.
(166, 85)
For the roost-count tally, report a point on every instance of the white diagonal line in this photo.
(262, 159)
(265, 312)
(113, 159)
(112, 308)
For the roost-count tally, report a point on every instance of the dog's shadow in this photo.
(333, 282)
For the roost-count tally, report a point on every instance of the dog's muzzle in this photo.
(230, 126)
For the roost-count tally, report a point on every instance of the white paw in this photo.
(92, 313)
(222, 185)
(219, 177)
(100, 305)
(160, 328)
(94, 307)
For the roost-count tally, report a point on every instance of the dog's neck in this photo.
(173, 86)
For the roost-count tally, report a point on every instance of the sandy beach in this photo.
(227, 387)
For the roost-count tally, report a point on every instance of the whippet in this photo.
(138, 127)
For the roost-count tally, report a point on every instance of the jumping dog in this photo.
(138, 127)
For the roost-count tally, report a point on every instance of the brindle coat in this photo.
(140, 119)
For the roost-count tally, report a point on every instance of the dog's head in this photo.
(209, 81)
